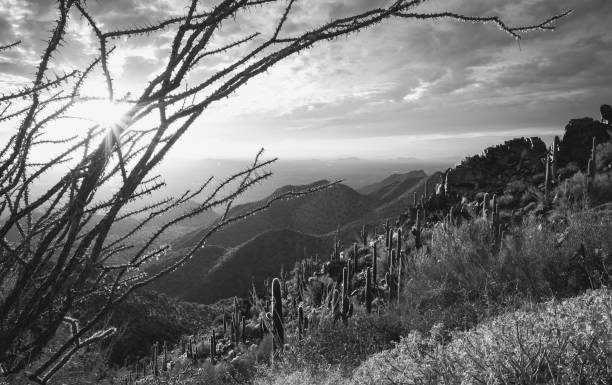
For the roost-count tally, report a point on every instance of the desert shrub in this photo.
(305, 376)
(468, 275)
(334, 344)
(567, 342)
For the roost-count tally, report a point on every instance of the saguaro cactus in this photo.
(398, 246)
(555, 158)
(368, 291)
(387, 235)
(346, 307)
(416, 231)
(154, 359)
(355, 258)
(547, 178)
(300, 323)
(364, 236)
(485, 203)
(213, 347)
(399, 278)
(277, 315)
(374, 264)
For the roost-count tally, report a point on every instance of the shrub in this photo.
(568, 342)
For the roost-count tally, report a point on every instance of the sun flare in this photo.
(103, 112)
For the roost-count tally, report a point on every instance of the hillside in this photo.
(188, 276)
(393, 186)
(252, 262)
(317, 213)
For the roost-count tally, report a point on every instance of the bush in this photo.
(468, 275)
(334, 344)
(568, 342)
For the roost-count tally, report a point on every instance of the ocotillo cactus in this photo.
(374, 264)
(277, 315)
(300, 323)
(364, 236)
(368, 291)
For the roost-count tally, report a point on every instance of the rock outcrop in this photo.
(514, 160)
(578, 138)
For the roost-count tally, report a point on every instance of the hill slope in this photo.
(394, 185)
(253, 261)
(317, 213)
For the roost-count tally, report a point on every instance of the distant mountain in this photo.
(317, 213)
(235, 270)
(393, 186)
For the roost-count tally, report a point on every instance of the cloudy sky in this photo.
(400, 89)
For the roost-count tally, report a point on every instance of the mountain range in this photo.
(255, 248)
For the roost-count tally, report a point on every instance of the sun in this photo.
(105, 113)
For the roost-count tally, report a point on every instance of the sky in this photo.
(403, 88)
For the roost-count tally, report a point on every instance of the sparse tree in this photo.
(58, 265)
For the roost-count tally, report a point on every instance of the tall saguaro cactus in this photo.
(374, 263)
(277, 315)
(399, 242)
(300, 323)
(416, 231)
(364, 236)
(355, 258)
(154, 360)
(555, 158)
(368, 290)
(387, 235)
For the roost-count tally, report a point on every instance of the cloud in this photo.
(399, 78)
